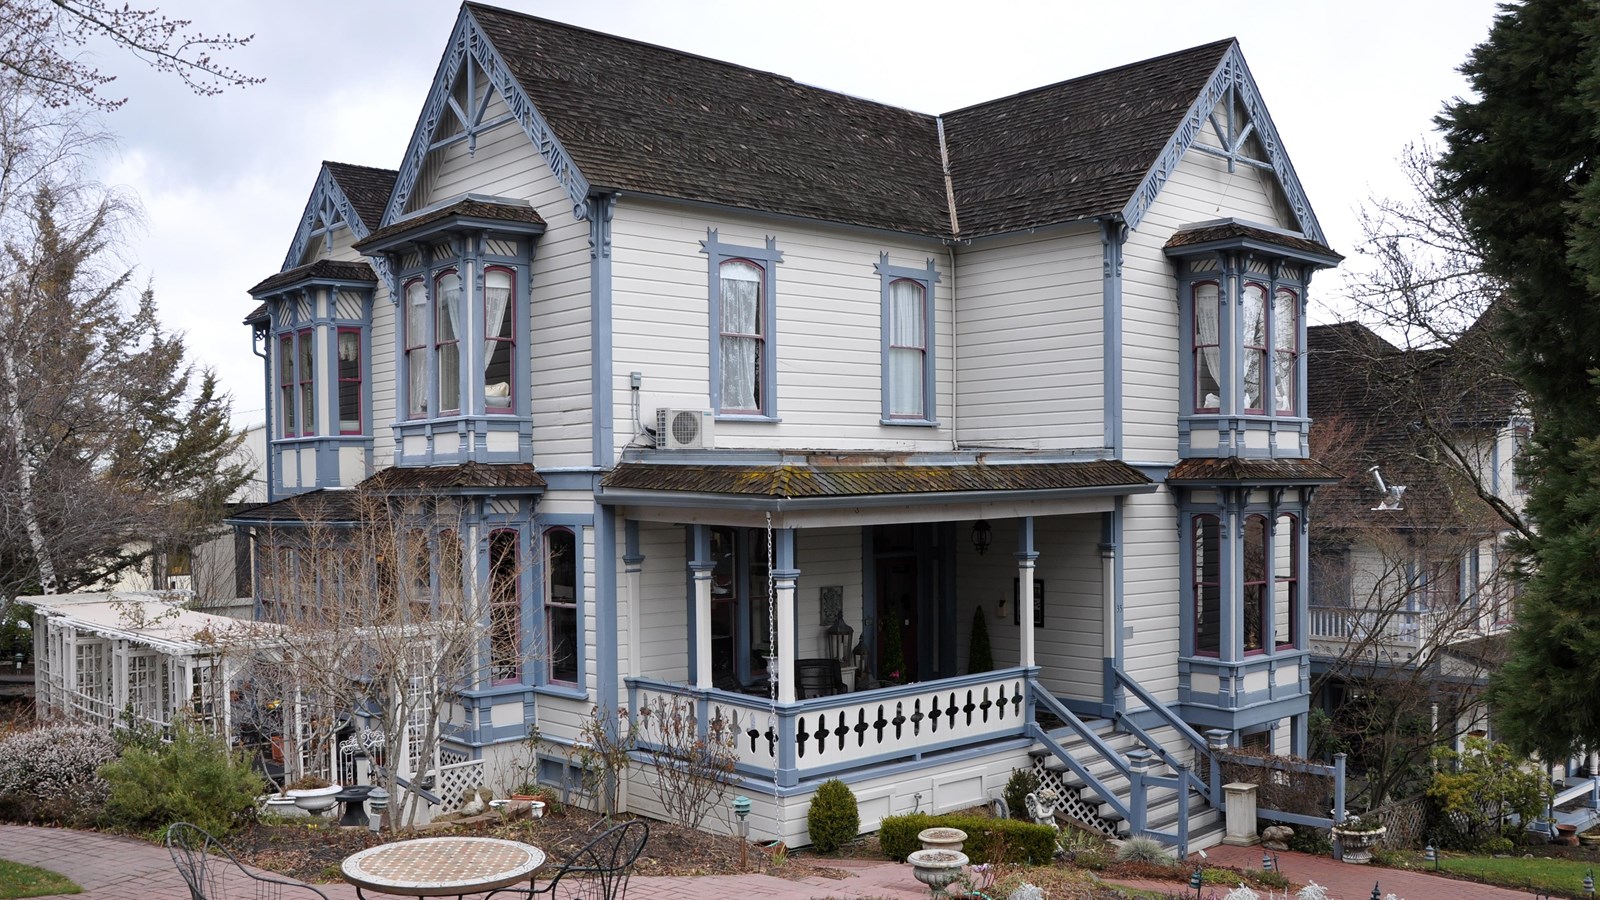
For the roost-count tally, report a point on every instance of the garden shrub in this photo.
(833, 819)
(196, 778)
(49, 773)
(1488, 785)
(1022, 783)
(988, 840)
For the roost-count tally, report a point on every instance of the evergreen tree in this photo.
(1520, 159)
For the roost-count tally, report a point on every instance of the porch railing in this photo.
(830, 734)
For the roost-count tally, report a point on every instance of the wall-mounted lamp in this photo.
(982, 536)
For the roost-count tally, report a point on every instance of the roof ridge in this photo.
(1095, 74)
(335, 162)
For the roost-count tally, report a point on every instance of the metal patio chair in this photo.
(208, 869)
(599, 871)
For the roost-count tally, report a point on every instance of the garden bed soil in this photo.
(313, 852)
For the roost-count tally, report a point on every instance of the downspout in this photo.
(955, 332)
(260, 346)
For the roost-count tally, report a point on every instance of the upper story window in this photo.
(350, 381)
(743, 315)
(447, 340)
(1268, 348)
(1242, 292)
(500, 339)
(908, 352)
(463, 267)
(297, 382)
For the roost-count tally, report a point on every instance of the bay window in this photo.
(416, 348)
(1256, 574)
(1254, 597)
(505, 607)
(1207, 364)
(349, 381)
(1285, 580)
(1207, 585)
(286, 387)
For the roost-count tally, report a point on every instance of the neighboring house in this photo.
(217, 572)
(1410, 581)
(703, 358)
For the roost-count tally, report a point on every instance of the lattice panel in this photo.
(451, 757)
(1406, 823)
(454, 781)
(1072, 803)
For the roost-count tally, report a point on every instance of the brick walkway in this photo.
(118, 868)
(1350, 882)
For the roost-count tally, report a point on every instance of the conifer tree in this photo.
(1520, 159)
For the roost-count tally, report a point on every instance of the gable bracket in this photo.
(326, 208)
(468, 42)
(1231, 78)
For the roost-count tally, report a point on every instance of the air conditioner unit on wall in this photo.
(684, 429)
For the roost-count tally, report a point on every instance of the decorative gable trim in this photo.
(469, 42)
(327, 209)
(1231, 76)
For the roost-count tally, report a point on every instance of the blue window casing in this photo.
(925, 278)
(495, 401)
(306, 320)
(766, 259)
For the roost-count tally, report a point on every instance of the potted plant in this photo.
(312, 793)
(530, 797)
(1357, 836)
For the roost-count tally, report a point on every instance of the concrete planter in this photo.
(937, 868)
(941, 838)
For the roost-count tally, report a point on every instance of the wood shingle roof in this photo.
(366, 188)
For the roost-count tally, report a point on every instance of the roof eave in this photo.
(706, 499)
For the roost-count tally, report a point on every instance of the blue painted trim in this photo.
(326, 209)
(1230, 75)
(632, 554)
(808, 783)
(467, 40)
(585, 480)
(577, 524)
(1113, 234)
(926, 278)
(767, 258)
(602, 210)
(562, 692)
(607, 643)
(1244, 717)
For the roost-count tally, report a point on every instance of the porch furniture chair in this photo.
(818, 678)
(599, 871)
(209, 870)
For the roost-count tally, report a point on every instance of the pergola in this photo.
(131, 656)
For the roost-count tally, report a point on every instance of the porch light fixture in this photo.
(839, 644)
(982, 536)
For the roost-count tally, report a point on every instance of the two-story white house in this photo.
(709, 359)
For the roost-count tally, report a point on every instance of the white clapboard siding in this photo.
(1068, 647)
(828, 329)
(663, 604)
(506, 164)
(1201, 189)
(1151, 581)
(1029, 315)
(826, 557)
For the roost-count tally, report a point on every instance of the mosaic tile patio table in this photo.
(441, 866)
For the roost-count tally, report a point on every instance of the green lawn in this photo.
(1559, 876)
(18, 880)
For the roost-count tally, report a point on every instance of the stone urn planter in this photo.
(315, 801)
(937, 868)
(1358, 842)
(941, 838)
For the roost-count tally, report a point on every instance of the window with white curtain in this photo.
(908, 349)
(447, 339)
(416, 345)
(908, 342)
(499, 339)
(1265, 338)
(743, 337)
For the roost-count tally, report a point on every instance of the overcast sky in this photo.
(223, 179)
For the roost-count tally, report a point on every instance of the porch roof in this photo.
(1234, 470)
(843, 484)
(143, 617)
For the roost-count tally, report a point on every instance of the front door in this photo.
(897, 618)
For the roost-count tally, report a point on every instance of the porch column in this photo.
(1026, 557)
(633, 564)
(784, 576)
(701, 566)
